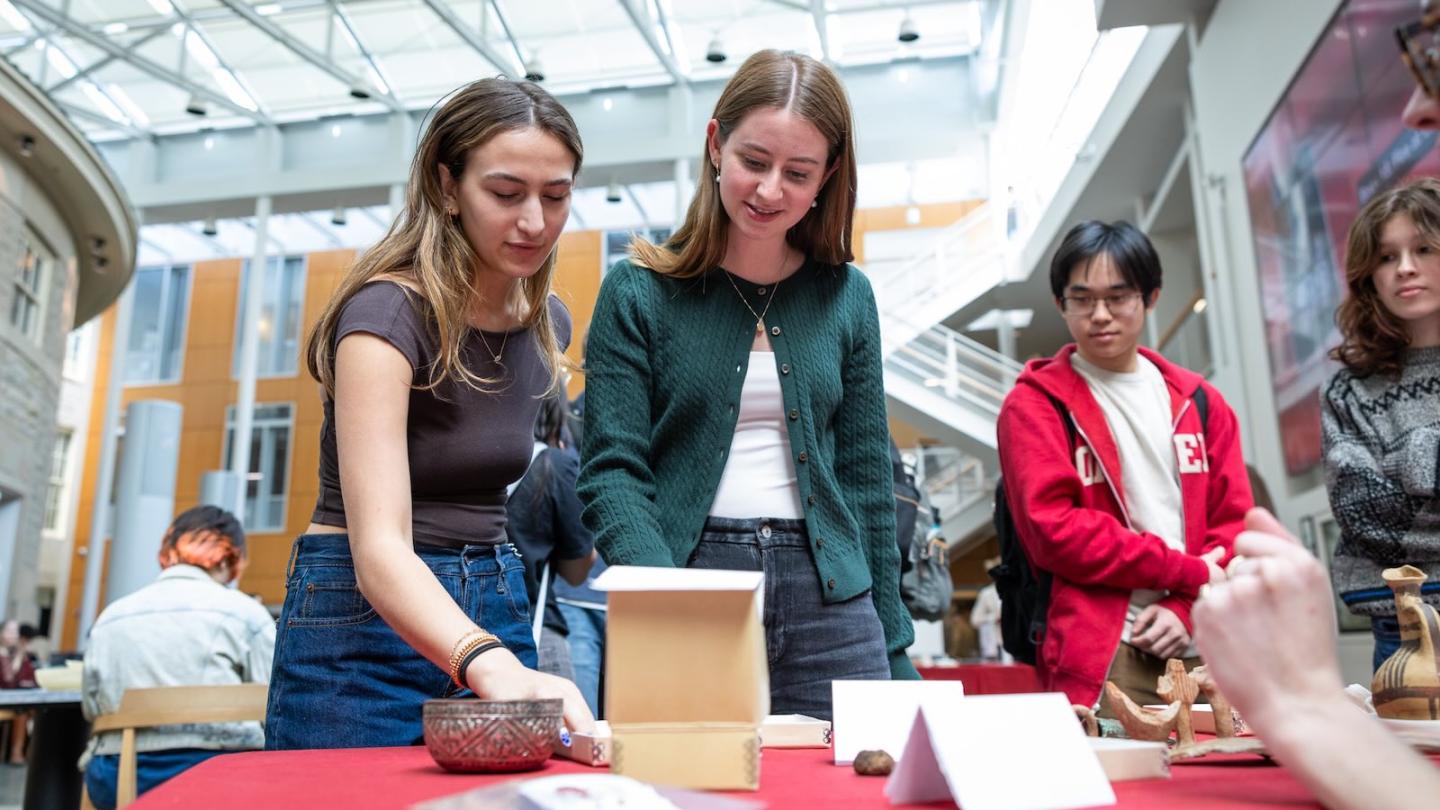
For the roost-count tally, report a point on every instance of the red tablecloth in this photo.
(390, 778)
(987, 679)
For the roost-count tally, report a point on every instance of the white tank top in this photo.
(759, 477)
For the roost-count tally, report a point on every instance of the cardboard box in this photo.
(708, 756)
(778, 731)
(687, 679)
(1126, 760)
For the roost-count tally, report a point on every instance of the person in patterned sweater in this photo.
(1381, 412)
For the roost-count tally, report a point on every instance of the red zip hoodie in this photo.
(1069, 509)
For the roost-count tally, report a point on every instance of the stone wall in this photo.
(29, 396)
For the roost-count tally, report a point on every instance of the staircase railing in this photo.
(968, 373)
(966, 260)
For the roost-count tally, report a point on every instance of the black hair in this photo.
(1134, 256)
(205, 519)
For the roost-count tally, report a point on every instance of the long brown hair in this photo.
(780, 80)
(426, 246)
(1373, 340)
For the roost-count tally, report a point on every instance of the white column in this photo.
(397, 201)
(249, 353)
(683, 191)
(105, 485)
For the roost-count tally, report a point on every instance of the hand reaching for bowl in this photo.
(499, 675)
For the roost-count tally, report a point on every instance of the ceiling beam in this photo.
(101, 119)
(243, 9)
(344, 18)
(642, 24)
(101, 63)
(39, 9)
(822, 29)
(447, 15)
(509, 34)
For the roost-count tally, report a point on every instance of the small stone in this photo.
(874, 763)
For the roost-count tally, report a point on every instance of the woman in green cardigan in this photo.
(735, 408)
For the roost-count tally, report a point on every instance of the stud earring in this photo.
(717, 175)
(815, 203)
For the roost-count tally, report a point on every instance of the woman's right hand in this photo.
(498, 675)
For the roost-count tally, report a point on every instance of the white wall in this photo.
(1241, 68)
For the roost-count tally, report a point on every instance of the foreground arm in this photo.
(1268, 636)
(372, 396)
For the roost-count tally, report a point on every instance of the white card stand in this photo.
(1000, 752)
(877, 715)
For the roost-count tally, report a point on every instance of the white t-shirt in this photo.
(759, 477)
(1137, 409)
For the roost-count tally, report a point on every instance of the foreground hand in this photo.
(1160, 632)
(1212, 559)
(1268, 634)
(499, 675)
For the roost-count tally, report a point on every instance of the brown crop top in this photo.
(465, 446)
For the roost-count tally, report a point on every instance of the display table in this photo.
(393, 778)
(987, 679)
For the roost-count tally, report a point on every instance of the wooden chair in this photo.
(172, 705)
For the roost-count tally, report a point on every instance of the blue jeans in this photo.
(151, 768)
(342, 678)
(587, 650)
(1386, 630)
(808, 643)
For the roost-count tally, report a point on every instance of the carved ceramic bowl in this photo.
(491, 735)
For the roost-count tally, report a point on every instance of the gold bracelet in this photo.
(468, 643)
(455, 649)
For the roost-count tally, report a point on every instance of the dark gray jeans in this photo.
(809, 643)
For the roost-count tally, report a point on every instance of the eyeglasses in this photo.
(1420, 49)
(1116, 304)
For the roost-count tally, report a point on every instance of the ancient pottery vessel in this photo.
(1407, 685)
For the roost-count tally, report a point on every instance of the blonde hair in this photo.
(1373, 339)
(427, 247)
(777, 80)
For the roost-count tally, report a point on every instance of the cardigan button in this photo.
(819, 542)
(810, 499)
(830, 584)
(794, 414)
(802, 457)
(775, 330)
(760, 291)
(784, 368)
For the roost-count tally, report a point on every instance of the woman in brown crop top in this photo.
(433, 353)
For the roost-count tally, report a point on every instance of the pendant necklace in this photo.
(759, 316)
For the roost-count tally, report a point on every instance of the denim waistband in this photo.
(764, 532)
(334, 549)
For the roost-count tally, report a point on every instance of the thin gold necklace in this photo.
(486, 343)
(759, 316)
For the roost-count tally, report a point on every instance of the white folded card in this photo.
(870, 715)
(999, 752)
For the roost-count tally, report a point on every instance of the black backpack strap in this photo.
(1202, 407)
(1064, 417)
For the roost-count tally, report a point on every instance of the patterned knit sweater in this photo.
(1382, 470)
(665, 362)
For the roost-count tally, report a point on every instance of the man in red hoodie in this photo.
(1134, 504)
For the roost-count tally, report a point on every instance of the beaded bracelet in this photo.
(463, 647)
(470, 659)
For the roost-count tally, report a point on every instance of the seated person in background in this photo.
(17, 671)
(1268, 636)
(543, 521)
(1121, 483)
(187, 628)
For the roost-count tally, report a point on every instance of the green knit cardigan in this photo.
(665, 362)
